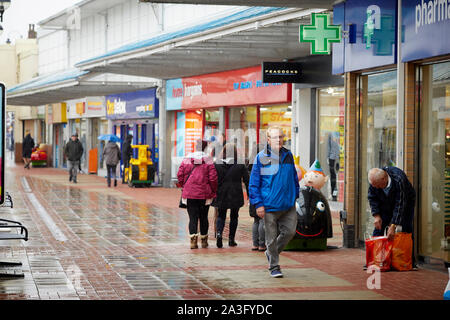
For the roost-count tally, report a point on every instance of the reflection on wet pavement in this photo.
(116, 248)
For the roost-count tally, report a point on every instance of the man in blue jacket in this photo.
(273, 190)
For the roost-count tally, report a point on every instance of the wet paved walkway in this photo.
(87, 241)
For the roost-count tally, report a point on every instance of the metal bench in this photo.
(23, 235)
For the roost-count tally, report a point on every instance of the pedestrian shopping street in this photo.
(87, 241)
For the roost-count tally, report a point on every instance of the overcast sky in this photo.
(21, 13)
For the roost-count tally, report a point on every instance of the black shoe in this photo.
(115, 183)
(231, 243)
(70, 178)
(219, 241)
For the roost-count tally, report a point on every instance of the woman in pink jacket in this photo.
(198, 178)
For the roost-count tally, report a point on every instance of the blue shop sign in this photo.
(372, 35)
(132, 105)
(426, 29)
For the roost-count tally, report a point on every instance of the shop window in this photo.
(211, 128)
(242, 126)
(331, 139)
(280, 116)
(378, 129)
(434, 161)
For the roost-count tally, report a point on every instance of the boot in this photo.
(115, 183)
(219, 240)
(231, 243)
(204, 241)
(194, 238)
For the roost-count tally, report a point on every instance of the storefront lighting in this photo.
(4, 5)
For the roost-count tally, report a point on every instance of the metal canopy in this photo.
(243, 43)
(77, 87)
(325, 4)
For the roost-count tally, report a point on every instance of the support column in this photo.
(351, 161)
(303, 119)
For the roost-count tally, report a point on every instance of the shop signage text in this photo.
(230, 88)
(132, 105)
(277, 72)
(426, 29)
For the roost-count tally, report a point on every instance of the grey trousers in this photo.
(73, 169)
(258, 234)
(280, 228)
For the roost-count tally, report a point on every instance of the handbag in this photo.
(181, 204)
(379, 252)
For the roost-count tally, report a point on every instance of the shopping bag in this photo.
(379, 252)
(402, 251)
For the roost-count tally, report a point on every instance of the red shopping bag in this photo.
(379, 252)
(402, 251)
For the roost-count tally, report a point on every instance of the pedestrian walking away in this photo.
(198, 178)
(392, 199)
(73, 151)
(27, 149)
(127, 153)
(111, 156)
(273, 190)
(230, 174)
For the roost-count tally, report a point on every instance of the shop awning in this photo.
(245, 38)
(66, 85)
(264, 3)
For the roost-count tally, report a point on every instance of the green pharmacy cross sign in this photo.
(320, 33)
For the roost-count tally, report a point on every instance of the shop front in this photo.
(396, 112)
(56, 119)
(85, 117)
(427, 54)
(234, 103)
(136, 113)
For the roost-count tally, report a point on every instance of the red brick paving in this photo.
(100, 281)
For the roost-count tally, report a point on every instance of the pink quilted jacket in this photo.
(202, 182)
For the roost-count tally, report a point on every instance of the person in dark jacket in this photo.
(73, 151)
(127, 153)
(229, 192)
(111, 156)
(27, 149)
(392, 199)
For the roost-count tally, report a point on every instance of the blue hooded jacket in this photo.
(274, 181)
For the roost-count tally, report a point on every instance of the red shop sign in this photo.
(229, 88)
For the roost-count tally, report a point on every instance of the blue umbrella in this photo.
(109, 137)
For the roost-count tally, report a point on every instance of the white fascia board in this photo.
(65, 84)
(249, 24)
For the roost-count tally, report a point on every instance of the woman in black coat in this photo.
(27, 149)
(127, 152)
(229, 192)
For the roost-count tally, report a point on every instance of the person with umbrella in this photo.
(111, 156)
